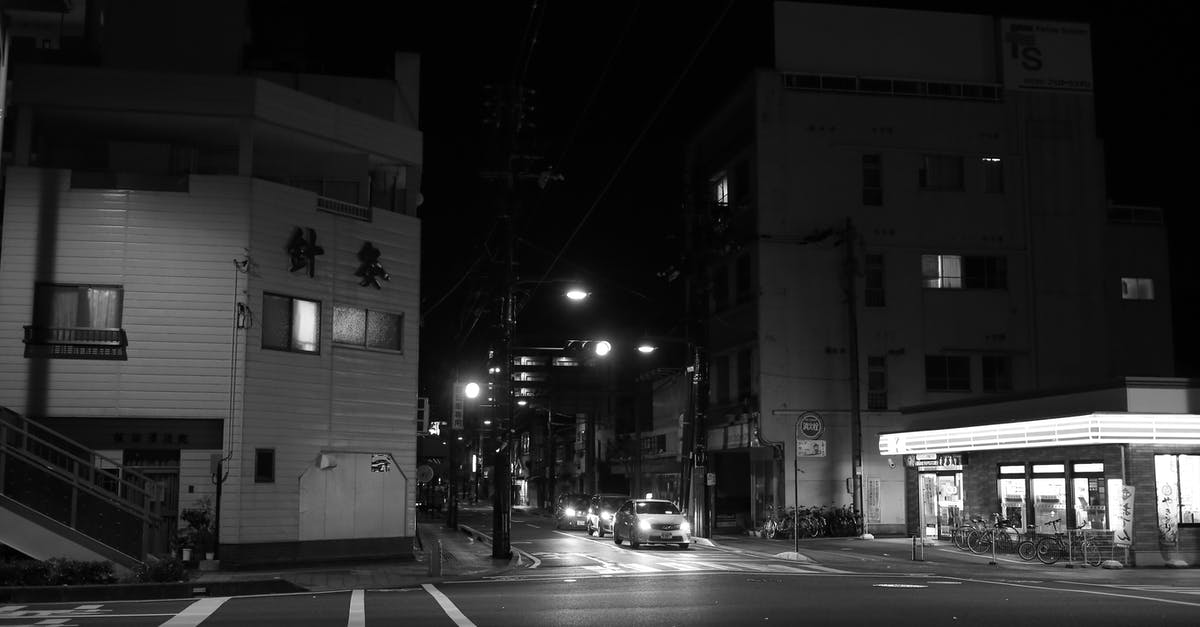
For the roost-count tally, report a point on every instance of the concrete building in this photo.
(906, 212)
(210, 277)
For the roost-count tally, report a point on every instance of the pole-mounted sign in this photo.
(811, 425)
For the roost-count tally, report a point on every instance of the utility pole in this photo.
(851, 272)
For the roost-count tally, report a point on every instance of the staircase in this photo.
(60, 499)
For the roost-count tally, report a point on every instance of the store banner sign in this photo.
(1123, 535)
(932, 461)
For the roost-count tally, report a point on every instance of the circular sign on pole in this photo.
(811, 425)
(424, 474)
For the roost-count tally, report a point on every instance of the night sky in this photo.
(620, 84)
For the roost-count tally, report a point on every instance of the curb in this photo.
(140, 591)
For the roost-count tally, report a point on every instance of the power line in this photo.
(638, 140)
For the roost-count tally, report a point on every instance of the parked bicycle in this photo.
(961, 534)
(1071, 544)
(777, 526)
(1000, 534)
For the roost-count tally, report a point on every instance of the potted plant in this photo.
(199, 533)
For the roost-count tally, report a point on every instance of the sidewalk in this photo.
(464, 555)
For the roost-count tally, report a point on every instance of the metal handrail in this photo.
(137, 496)
(75, 335)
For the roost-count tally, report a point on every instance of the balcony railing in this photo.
(342, 208)
(75, 343)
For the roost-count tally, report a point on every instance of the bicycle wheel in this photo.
(1091, 553)
(1027, 550)
(960, 537)
(1049, 550)
(769, 530)
(979, 542)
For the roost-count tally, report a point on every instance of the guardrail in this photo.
(90, 493)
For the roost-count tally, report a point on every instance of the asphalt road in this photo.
(577, 580)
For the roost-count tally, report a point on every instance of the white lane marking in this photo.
(1095, 592)
(358, 609)
(196, 613)
(448, 606)
(641, 568)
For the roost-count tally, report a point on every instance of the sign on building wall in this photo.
(871, 504)
(1123, 535)
(1043, 56)
(809, 448)
(928, 462)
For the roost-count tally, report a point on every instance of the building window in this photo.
(720, 190)
(956, 272)
(876, 383)
(291, 324)
(742, 280)
(997, 373)
(992, 169)
(941, 271)
(872, 180)
(1137, 288)
(744, 377)
(368, 328)
(720, 288)
(76, 322)
(873, 294)
(264, 465)
(941, 172)
(944, 373)
(721, 387)
(742, 191)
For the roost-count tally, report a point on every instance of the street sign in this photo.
(424, 474)
(811, 425)
(810, 448)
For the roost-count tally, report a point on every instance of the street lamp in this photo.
(469, 390)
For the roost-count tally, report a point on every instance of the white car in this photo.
(651, 521)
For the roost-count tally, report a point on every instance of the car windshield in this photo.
(612, 502)
(656, 507)
(577, 504)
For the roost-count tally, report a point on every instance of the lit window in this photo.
(76, 322)
(1137, 288)
(993, 174)
(941, 172)
(291, 324)
(367, 328)
(941, 271)
(957, 272)
(720, 191)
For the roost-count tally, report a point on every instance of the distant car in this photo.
(600, 513)
(570, 511)
(651, 521)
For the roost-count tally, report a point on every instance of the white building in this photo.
(208, 264)
(946, 168)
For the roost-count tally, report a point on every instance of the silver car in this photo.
(651, 521)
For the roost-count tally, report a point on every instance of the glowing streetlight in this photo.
(577, 294)
(472, 390)
(646, 349)
(603, 347)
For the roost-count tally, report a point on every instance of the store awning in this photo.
(1094, 428)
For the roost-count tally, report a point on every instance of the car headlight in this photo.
(685, 527)
(606, 515)
(644, 525)
(570, 511)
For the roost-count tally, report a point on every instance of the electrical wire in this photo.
(587, 106)
(638, 140)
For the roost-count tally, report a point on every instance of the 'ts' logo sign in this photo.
(1023, 47)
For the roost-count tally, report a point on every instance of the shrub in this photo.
(160, 570)
(57, 571)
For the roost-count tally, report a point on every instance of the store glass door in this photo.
(950, 503)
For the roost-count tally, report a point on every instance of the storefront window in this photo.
(1012, 500)
(1089, 495)
(1049, 487)
(1177, 479)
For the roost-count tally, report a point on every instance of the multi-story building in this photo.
(904, 223)
(210, 274)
